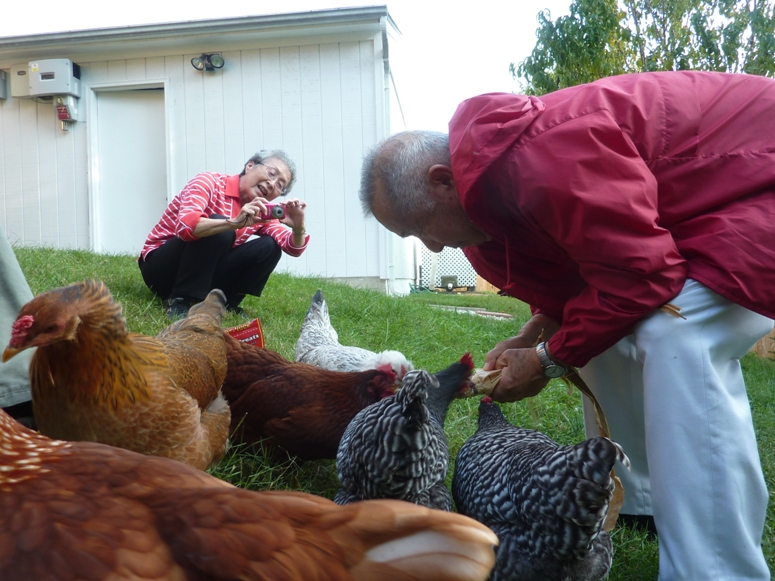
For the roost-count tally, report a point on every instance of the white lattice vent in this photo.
(450, 264)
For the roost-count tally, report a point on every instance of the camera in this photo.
(273, 211)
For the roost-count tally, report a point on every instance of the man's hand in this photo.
(518, 342)
(522, 375)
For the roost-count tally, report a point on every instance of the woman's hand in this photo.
(250, 213)
(294, 214)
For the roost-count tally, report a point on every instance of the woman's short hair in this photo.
(265, 154)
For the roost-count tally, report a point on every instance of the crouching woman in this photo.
(217, 233)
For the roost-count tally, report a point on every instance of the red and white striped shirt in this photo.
(207, 194)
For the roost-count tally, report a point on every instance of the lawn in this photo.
(432, 338)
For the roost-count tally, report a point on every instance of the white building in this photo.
(315, 84)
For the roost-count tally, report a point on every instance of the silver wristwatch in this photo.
(551, 369)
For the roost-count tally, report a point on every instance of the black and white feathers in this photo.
(396, 448)
(319, 345)
(546, 502)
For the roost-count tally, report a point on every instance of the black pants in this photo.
(192, 269)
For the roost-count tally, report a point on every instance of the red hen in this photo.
(82, 510)
(298, 407)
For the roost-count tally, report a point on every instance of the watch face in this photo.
(554, 371)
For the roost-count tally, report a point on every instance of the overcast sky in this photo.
(446, 52)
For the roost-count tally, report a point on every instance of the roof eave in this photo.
(197, 33)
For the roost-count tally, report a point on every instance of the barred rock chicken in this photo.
(319, 345)
(276, 403)
(81, 510)
(396, 448)
(545, 502)
(92, 380)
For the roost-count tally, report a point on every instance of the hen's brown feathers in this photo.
(295, 406)
(93, 380)
(81, 510)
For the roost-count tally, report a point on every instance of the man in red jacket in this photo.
(596, 205)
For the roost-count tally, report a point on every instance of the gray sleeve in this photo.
(14, 293)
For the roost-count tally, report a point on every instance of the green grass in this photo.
(430, 337)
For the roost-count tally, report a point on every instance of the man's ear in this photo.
(442, 184)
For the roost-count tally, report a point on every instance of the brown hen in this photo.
(298, 407)
(94, 381)
(80, 510)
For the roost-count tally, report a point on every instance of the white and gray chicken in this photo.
(546, 502)
(319, 345)
(396, 447)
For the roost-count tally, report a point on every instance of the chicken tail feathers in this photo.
(214, 304)
(318, 309)
(399, 540)
(414, 392)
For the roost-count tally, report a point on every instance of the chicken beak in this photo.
(9, 353)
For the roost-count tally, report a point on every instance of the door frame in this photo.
(92, 146)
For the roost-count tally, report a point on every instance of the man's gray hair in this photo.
(400, 164)
(265, 154)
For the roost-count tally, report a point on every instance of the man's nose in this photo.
(432, 246)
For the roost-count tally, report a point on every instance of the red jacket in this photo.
(602, 199)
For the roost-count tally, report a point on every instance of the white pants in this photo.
(675, 400)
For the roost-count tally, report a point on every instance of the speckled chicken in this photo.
(92, 380)
(396, 448)
(319, 345)
(545, 502)
(300, 408)
(81, 510)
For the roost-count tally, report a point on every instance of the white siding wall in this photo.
(322, 103)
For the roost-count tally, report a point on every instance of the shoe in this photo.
(640, 523)
(177, 308)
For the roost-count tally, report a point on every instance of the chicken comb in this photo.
(20, 328)
(387, 369)
(486, 399)
(467, 360)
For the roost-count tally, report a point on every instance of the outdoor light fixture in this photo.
(207, 62)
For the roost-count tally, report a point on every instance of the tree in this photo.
(598, 38)
(586, 45)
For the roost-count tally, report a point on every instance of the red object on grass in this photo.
(249, 332)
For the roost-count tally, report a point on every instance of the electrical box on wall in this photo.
(54, 77)
(20, 82)
(3, 85)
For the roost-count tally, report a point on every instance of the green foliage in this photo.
(584, 46)
(599, 39)
(430, 336)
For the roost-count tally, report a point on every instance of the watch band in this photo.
(551, 369)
